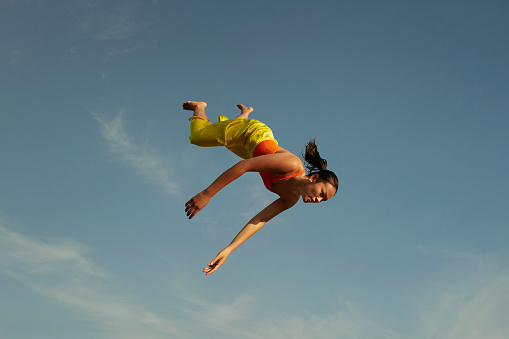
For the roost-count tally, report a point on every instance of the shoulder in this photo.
(281, 162)
(295, 161)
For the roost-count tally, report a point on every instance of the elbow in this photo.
(241, 167)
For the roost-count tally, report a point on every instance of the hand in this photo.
(196, 204)
(217, 262)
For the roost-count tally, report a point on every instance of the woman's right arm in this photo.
(199, 201)
(279, 162)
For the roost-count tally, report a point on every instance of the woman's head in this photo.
(322, 181)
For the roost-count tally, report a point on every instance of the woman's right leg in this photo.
(244, 111)
(198, 107)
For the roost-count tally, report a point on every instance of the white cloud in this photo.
(141, 159)
(59, 270)
(469, 302)
(250, 315)
(124, 48)
(114, 28)
(225, 319)
(105, 22)
(349, 322)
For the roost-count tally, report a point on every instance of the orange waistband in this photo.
(266, 147)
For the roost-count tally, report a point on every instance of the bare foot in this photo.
(244, 111)
(193, 105)
(198, 107)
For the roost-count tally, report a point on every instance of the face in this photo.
(317, 191)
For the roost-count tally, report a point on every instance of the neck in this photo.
(293, 186)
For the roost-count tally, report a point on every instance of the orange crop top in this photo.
(270, 147)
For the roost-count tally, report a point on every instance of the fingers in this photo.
(214, 262)
(213, 266)
(191, 209)
(209, 270)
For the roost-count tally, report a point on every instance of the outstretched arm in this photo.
(253, 226)
(199, 201)
(282, 163)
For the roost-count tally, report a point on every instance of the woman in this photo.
(282, 172)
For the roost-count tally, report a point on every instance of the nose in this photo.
(317, 200)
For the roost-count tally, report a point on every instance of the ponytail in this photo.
(314, 163)
(317, 165)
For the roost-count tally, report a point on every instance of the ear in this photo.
(313, 178)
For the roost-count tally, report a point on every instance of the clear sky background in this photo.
(408, 102)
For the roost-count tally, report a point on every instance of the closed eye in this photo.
(324, 198)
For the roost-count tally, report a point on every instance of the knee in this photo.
(203, 140)
(195, 139)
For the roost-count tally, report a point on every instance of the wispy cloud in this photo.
(347, 322)
(60, 270)
(141, 159)
(466, 303)
(125, 48)
(105, 21)
(470, 302)
(225, 319)
(249, 315)
(114, 27)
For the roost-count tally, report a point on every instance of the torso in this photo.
(278, 182)
(270, 179)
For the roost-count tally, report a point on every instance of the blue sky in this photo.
(408, 103)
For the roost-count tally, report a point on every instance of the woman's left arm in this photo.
(253, 226)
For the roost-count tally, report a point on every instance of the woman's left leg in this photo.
(240, 135)
(206, 134)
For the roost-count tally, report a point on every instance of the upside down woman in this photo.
(282, 172)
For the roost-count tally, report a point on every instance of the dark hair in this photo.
(317, 165)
